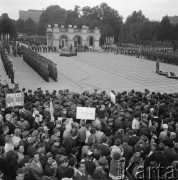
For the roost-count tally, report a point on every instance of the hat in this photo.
(103, 162)
(63, 159)
(34, 133)
(32, 140)
(25, 134)
(165, 126)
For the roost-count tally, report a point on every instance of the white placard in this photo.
(113, 97)
(86, 113)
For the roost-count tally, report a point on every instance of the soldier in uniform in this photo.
(157, 66)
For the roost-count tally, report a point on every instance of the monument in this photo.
(65, 38)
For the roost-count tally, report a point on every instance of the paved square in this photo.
(101, 70)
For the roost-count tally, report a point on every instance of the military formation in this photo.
(7, 62)
(43, 66)
(43, 48)
(153, 54)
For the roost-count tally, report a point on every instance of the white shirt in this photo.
(135, 124)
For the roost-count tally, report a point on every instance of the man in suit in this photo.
(9, 123)
(35, 168)
(81, 173)
(128, 150)
(104, 148)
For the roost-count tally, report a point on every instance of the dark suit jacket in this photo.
(161, 158)
(35, 171)
(128, 151)
(133, 140)
(171, 155)
(11, 127)
(105, 150)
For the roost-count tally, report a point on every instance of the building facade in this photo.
(31, 13)
(65, 38)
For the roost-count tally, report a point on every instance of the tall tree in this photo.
(165, 29)
(7, 25)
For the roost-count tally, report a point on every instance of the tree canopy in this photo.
(136, 29)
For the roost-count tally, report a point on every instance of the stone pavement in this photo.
(101, 70)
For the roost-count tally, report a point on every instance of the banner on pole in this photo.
(14, 99)
(113, 97)
(86, 113)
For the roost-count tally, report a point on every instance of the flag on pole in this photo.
(51, 110)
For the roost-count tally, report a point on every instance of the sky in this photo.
(152, 9)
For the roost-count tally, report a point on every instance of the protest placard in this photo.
(14, 99)
(86, 113)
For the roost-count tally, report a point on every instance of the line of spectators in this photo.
(140, 129)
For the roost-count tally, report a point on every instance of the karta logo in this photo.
(152, 172)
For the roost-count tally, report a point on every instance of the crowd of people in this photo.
(45, 140)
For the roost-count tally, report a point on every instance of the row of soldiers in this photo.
(43, 66)
(8, 63)
(43, 48)
(165, 57)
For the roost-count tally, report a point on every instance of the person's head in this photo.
(97, 155)
(89, 126)
(40, 148)
(155, 124)
(20, 174)
(56, 142)
(8, 139)
(74, 151)
(37, 118)
(53, 164)
(36, 157)
(69, 172)
(93, 131)
(22, 116)
(72, 162)
(20, 148)
(8, 117)
(57, 132)
(17, 132)
(103, 162)
(49, 158)
(74, 133)
(155, 113)
(64, 121)
(165, 127)
(5, 129)
(63, 161)
(161, 147)
(26, 162)
(104, 139)
(153, 146)
(117, 142)
(116, 155)
(137, 154)
(137, 116)
(83, 123)
(81, 167)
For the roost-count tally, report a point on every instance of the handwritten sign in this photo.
(14, 99)
(86, 113)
